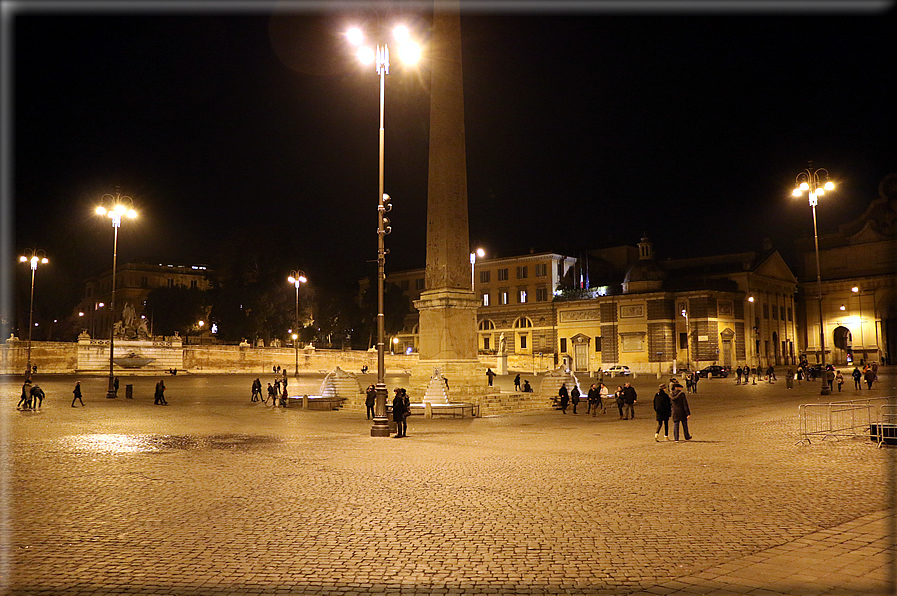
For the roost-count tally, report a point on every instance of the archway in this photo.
(842, 341)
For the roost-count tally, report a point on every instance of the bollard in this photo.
(304, 402)
(428, 410)
(129, 391)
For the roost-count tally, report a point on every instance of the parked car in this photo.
(617, 371)
(714, 370)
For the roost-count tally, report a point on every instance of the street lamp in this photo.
(118, 206)
(409, 52)
(754, 341)
(815, 181)
(297, 278)
(856, 290)
(687, 348)
(473, 259)
(34, 257)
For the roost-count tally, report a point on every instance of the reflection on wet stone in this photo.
(113, 443)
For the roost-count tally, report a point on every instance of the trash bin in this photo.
(129, 391)
(392, 423)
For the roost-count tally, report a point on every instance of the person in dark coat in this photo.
(517, 383)
(629, 399)
(738, 375)
(662, 411)
(77, 394)
(870, 377)
(618, 397)
(527, 388)
(857, 375)
(593, 400)
(490, 375)
(159, 395)
(574, 397)
(399, 414)
(680, 412)
(370, 399)
(25, 400)
(565, 397)
(37, 397)
(115, 386)
(257, 390)
(271, 394)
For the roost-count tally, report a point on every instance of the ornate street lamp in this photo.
(815, 182)
(297, 278)
(473, 259)
(114, 207)
(409, 52)
(34, 257)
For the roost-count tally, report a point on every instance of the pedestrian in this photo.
(257, 390)
(629, 399)
(574, 397)
(526, 387)
(662, 412)
(694, 381)
(25, 400)
(284, 397)
(738, 375)
(770, 374)
(679, 412)
(517, 382)
(398, 414)
(277, 386)
(271, 395)
(602, 397)
(77, 393)
(688, 382)
(490, 375)
(370, 399)
(839, 379)
(753, 375)
(789, 379)
(159, 395)
(406, 401)
(870, 377)
(857, 376)
(618, 396)
(115, 386)
(593, 400)
(37, 397)
(830, 379)
(565, 397)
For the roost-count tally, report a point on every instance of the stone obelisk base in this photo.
(448, 343)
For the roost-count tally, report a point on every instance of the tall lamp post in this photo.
(473, 260)
(409, 52)
(34, 257)
(297, 278)
(114, 206)
(815, 182)
(687, 347)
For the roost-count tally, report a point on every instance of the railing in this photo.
(841, 419)
(885, 430)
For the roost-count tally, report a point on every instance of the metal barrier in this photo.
(885, 430)
(841, 419)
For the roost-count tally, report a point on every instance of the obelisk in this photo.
(448, 307)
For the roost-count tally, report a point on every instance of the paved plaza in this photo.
(215, 495)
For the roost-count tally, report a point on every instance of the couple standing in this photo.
(673, 405)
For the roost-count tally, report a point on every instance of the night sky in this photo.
(259, 129)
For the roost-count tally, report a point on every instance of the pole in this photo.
(30, 321)
(825, 388)
(380, 427)
(296, 329)
(110, 391)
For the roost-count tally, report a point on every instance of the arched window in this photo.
(522, 322)
(486, 325)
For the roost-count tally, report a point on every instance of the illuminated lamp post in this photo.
(118, 206)
(409, 52)
(35, 257)
(815, 182)
(687, 347)
(297, 278)
(473, 259)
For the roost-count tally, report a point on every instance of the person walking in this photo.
(857, 376)
(517, 382)
(839, 379)
(592, 396)
(284, 397)
(870, 377)
(271, 394)
(574, 397)
(257, 390)
(77, 394)
(679, 412)
(370, 399)
(753, 375)
(115, 386)
(602, 397)
(406, 401)
(618, 397)
(662, 412)
(159, 395)
(398, 414)
(37, 397)
(629, 399)
(738, 375)
(695, 377)
(25, 400)
(830, 379)
(565, 397)
(490, 375)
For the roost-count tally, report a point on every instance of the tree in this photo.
(176, 309)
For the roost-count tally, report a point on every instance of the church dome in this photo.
(645, 275)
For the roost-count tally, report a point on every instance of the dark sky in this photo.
(248, 128)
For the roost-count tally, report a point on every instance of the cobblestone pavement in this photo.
(216, 495)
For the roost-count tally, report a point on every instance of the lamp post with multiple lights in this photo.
(409, 52)
(473, 260)
(297, 278)
(35, 257)
(815, 182)
(687, 347)
(114, 206)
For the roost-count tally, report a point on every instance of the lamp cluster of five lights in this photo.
(409, 51)
(117, 210)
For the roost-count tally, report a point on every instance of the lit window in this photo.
(486, 299)
(502, 297)
(521, 297)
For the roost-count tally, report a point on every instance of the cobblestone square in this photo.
(216, 495)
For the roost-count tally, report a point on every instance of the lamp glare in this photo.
(132, 214)
(23, 259)
(101, 210)
(355, 36)
(796, 192)
(121, 209)
(409, 52)
(804, 186)
(401, 33)
(829, 185)
(365, 55)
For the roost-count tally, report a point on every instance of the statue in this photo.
(128, 315)
(142, 331)
(118, 329)
(501, 343)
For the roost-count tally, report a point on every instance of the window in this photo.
(522, 322)
(485, 298)
(486, 325)
(193, 284)
(521, 297)
(485, 276)
(503, 274)
(522, 341)
(683, 341)
(541, 294)
(404, 284)
(419, 283)
(597, 344)
(521, 272)
(541, 270)
(503, 297)
(563, 344)
(486, 342)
